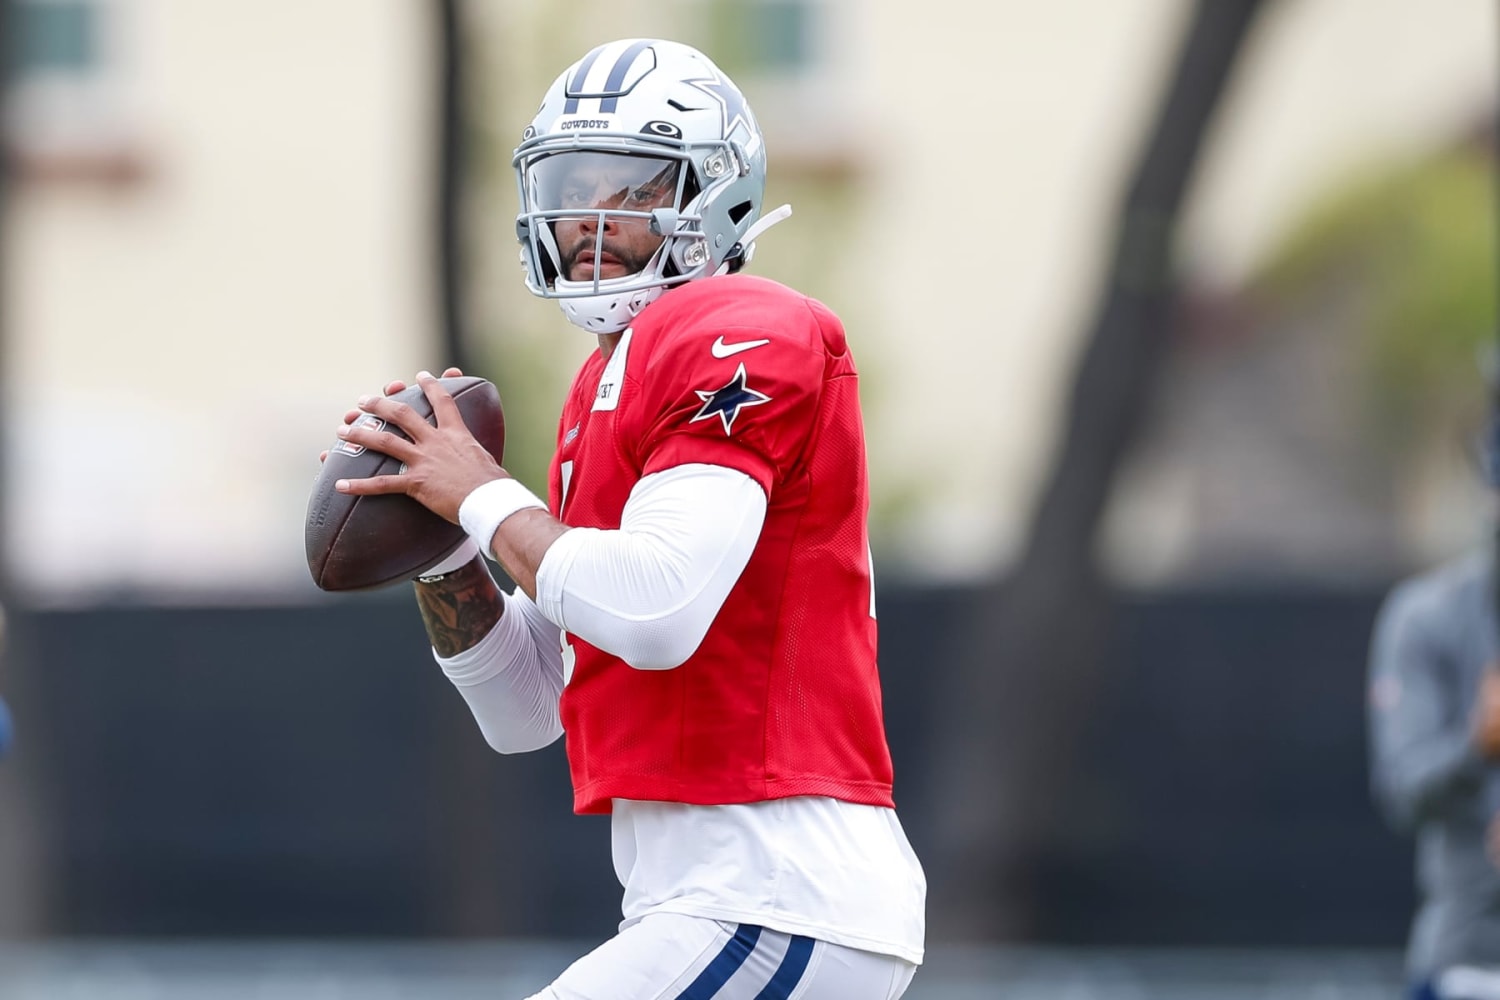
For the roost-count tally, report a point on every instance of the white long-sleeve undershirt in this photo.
(646, 592)
(512, 679)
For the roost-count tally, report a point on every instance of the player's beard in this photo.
(633, 263)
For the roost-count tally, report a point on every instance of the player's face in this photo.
(590, 182)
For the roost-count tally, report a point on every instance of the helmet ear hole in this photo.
(548, 256)
(690, 187)
(738, 212)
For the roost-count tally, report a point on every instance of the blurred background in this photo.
(1173, 318)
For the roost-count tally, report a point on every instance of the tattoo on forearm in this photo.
(460, 609)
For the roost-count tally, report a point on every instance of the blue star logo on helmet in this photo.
(732, 106)
(727, 402)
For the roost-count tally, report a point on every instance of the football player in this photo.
(694, 604)
(1434, 718)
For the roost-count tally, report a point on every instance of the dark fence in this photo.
(286, 771)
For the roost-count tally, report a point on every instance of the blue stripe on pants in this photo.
(725, 964)
(789, 973)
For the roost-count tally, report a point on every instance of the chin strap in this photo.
(740, 254)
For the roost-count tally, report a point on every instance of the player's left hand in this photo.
(391, 388)
(444, 463)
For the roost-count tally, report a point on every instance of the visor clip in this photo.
(663, 221)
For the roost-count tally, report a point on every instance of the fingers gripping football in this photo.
(391, 388)
(443, 464)
(397, 386)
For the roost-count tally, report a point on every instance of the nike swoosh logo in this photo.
(723, 350)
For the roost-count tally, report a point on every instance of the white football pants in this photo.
(671, 957)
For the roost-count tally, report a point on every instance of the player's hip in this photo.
(669, 956)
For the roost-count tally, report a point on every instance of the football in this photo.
(362, 542)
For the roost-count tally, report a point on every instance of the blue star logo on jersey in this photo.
(726, 403)
(731, 102)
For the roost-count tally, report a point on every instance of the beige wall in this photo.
(1006, 140)
(180, 348)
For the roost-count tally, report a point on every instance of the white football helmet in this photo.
(644, 160)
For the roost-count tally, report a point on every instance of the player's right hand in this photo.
(1492, 841)
(391, 388)
(1487, 714)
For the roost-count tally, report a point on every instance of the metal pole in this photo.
(452, 149)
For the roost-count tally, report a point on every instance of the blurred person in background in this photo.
(695, 605)
(1434, 704)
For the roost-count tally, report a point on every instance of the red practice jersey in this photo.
(782, 697)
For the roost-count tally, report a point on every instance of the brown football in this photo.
(357, 543)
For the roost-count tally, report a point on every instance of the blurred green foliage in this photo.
(1410, 249)
(532, 384)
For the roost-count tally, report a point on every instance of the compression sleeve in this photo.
(648, 591)
(512, 678)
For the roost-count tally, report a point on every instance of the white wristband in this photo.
(461, 557)
(488, 505)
